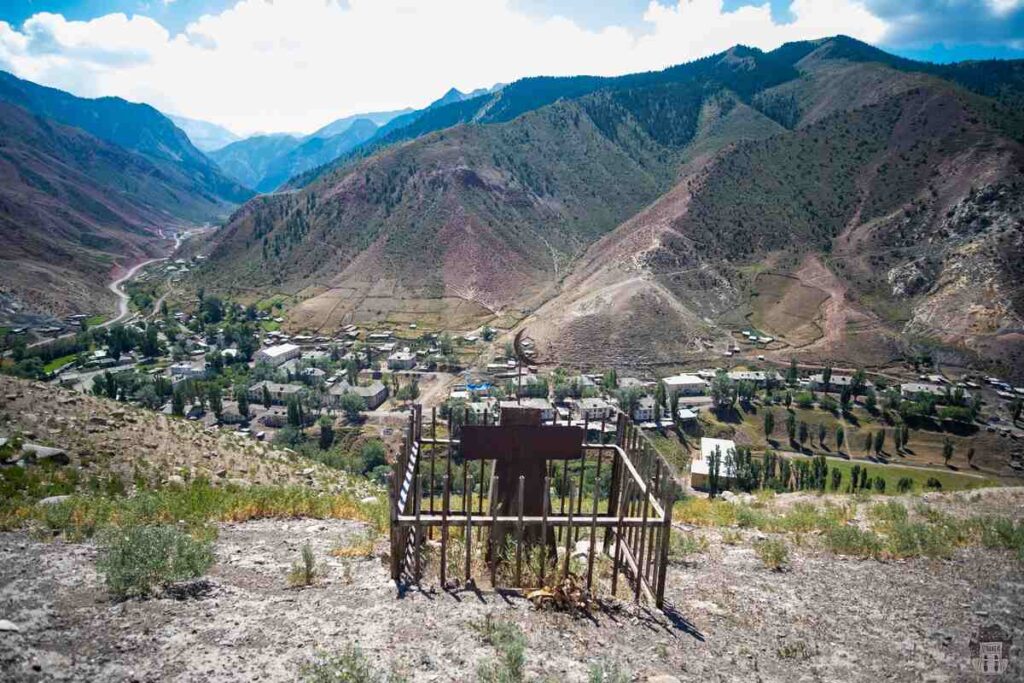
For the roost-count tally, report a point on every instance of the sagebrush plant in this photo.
(137, 560)
(773, 553)
(510, 643)
(608, 672)
(304, 572)
(682, 546)
(348, 666)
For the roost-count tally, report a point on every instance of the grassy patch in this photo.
(136, 560)
(951, 481)
(57, 363)
(773, 553)
(95, 320)
(195, 505)
(270, 325)
(348, 666)
(510, 645)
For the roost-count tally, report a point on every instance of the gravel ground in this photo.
(824, 619)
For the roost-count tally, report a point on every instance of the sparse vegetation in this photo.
(304, 572)
(773, 553)
(348, 666)
(138, 559)
(508, 641)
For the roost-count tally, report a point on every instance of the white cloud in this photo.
(296, 64)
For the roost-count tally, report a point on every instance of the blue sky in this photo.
(295, 64)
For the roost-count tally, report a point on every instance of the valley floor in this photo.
(825, 618)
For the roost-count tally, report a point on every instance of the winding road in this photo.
(122, 296)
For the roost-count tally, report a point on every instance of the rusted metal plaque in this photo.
(522, 442)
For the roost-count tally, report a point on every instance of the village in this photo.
(233, 367)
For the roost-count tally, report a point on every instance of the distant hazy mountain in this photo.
(248, 160)
(266, 162)
(136, 127)
(313, 152)
(379, 118)
(205, 135)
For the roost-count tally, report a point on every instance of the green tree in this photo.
(970, 456)
(867, 443)
(879, 440)
(793, 374)
(242, 397)
(213, 396)
(947, 450)
(326, 433)
(822, 433)
(267, 400)
(837, 478)
(791, 427)
(177, 404)
(840, 437)
(352, 405)
(769, 423)
(804, 432)
(826, 377)
(714, 468)
(722, 390)
(372, 455)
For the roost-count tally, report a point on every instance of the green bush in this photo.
(773, 553)
(849, 540)
(136, 560)
(348, 666)
(510, 643)
(304, 572)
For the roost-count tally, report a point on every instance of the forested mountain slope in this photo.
(749, 188)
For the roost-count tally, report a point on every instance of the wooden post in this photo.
(666, 540)
(444, 534)
(519, 534)
(467, 492)
(619, 536)
(433, 454)
(418, 538)
(593, 530)
(568, 533)
(544, 530)
(640, 551)
(469, 538)
(491, 541)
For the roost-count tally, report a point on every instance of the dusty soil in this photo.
(825, 618)
(102, 437)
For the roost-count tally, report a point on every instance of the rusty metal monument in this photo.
(517, 490)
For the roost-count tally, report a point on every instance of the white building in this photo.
(644, 410)
(592, 409)
(547, 410)
(279, 393)
(276, 355)
(699, 465)
(685, 385)
(402, 360)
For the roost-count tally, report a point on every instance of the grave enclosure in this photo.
(519, 505)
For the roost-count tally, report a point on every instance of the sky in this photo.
(295, 65)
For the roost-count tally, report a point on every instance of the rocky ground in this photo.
(823, 619)
(102, 437)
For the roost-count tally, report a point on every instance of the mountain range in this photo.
(88, 186)
(850, 204)
(266, 162)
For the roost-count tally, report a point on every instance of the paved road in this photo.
(122, 297)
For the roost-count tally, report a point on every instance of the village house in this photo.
(277, 355)
(592, 409)
(700, 464)
(373, 394)
(912, 390)
(402, 360)
(183, 371)
(644, 410)
(279, 393)
(685, 385)
(758, 377)
(836, 383)
(479, 411)
(547, 410)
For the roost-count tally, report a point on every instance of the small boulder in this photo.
(662, 678)
(175, 480)
(368, 500)
(53, 500)
(8, 627)
(240, 483)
